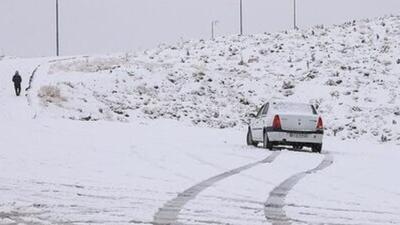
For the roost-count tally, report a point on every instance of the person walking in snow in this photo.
(17, 79)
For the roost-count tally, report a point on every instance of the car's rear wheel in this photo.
(249, 138)
(266, 143)
(317, 148)
(298, 147)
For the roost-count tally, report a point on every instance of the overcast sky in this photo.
(27, 27)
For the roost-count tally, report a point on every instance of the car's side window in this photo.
(260, 111)
(314, 110)
(265, 110)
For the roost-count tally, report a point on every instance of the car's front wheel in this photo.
(317, 148)
(266, 143)
(250, 138)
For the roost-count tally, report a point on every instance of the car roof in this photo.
(290, 102)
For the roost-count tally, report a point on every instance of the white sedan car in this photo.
(286, 123)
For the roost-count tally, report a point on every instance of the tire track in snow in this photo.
(168, 214)
(31, 78)
(273, 208)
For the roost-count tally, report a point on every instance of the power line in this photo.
(294, 15)
(57, 31)
(213, 25)
(241, 17)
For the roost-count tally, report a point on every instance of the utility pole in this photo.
(294, 16)
(213, 24)
(241, 17)
(57, 31)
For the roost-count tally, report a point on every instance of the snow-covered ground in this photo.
(64, 158)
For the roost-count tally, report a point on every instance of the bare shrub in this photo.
(50, 94)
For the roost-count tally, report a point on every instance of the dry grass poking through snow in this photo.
(51, 94)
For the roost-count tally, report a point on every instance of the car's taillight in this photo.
(320, 125)
(276, 124)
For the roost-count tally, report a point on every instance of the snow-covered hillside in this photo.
(351, 71)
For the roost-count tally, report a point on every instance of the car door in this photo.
(263, 120)
(258, 125)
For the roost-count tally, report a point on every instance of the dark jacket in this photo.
(17, 79)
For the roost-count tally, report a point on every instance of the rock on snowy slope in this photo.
(351, 71)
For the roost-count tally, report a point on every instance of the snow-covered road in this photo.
(274, 207)
(169, 213)
(55, 171)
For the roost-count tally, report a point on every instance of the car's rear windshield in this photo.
(299, 108)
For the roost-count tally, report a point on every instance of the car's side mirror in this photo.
(252, 115)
